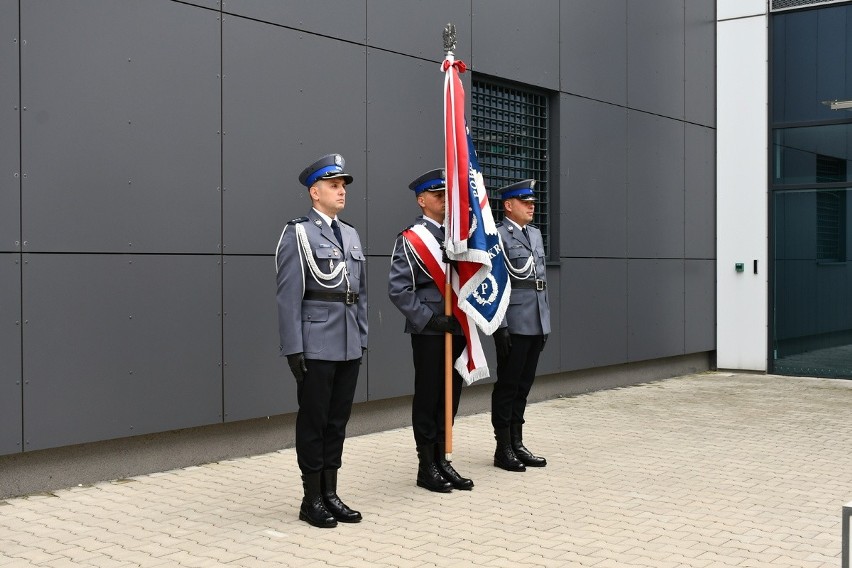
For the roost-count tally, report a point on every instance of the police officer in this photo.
(322, 321)
(419, 297)
(523, 332)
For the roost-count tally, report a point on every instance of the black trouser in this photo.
(427, 408)
(325, 403)
(515, 376)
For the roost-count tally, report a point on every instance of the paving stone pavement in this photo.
(708, 470)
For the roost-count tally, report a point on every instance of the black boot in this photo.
(504, 455)
(521, 451)
(338, 509)
(313, 510)
(449, 472)
(428, 475)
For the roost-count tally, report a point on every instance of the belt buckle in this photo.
(350, 297)
(539, 285)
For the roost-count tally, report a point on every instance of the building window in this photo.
(510, 132)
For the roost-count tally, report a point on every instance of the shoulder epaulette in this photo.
(499, 223)
(345, 223)
(405, 229)
(531, 225)
(297, 220)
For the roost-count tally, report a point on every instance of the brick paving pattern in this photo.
(707, 470)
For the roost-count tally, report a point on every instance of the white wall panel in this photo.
(726, 9)
(741, 194)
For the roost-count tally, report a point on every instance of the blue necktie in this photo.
(336, 228)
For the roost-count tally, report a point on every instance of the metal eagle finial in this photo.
(449, 38)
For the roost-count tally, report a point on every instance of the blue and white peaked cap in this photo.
(328, 167)
(433, 180)
(523, 190)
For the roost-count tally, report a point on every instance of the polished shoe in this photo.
(504, 455)
(522, 453)
(313, 509)
(338, 509)
(429, 475)
(449, 472)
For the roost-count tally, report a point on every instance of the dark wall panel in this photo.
(551, 359)
(390, 371)
(593, 194)
(699, 305)
(655, 60)
(119, 345)
(279, 115)
(517, 40)
(10, 143)
(593, 48)
(120, 135)
(655, 177)
(655, 308)
(593, 312)
(700, 59)
(343, 19)
(699, 192)
(257, 381)
(405, 137)
(424, 40)
(10, 353)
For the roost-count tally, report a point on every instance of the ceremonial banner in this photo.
(472, 243)
(471, 364)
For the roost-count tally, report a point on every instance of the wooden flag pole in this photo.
(448, 371)
(449, 36)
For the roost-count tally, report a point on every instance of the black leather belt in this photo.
(534, 284)
(347, 298)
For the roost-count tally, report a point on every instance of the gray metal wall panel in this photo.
(593, 194)
(257, 381)
(700, 59)
(405, 139)
(700, 192)
(699, 305)
(119, 345)
(425, 40)
(593, 312)
(120, 136)
(279, 115)
(655, 308)
(10, 353)
(593, 47)
(517, 40)
(210, 4)
(550, 360)
(343, 19)
(390, 370)
(655, 177)
(10, 142)
(655, 61)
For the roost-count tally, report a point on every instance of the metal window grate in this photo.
(780, 5)
(510, 132)
(831, 211)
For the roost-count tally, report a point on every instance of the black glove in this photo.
(503, 343)
(297, 366)
(543, 341)
(444, 324)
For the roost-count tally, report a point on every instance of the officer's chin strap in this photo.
(523, 272)
(340, 271)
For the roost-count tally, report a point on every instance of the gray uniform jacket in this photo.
(321, 329)
(529, 309)
(411, 289)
